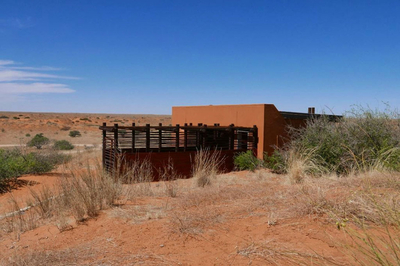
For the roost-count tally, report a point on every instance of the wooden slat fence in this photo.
(155, 139)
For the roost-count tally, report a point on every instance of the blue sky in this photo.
(146, 56)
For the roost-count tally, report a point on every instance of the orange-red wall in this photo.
(266, 117)
(182, 161)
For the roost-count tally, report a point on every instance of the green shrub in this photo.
(38, 141)
(63, 145)
(74, 133)
(363, 140)
(275, 162)
(15, 163)
(27, 135)
(4, 117)
(246, 161)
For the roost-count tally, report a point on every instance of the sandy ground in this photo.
(159, 231)
(19, 127)
(243, 218)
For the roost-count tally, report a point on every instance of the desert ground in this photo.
(241, 218)
(18, 127)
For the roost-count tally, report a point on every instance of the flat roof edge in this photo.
(223, 105)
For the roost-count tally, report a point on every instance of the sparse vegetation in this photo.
(247, 161)
(275, 162)
(16, 162)
(27, 135)
(206, 166)
(74, 134)
(63, 145)
(38, 141)
(4, 117)
(363, 140)
(87, 192)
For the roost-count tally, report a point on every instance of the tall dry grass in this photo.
(81, 194)
(88, 191)
(206, 166)
(366, 207)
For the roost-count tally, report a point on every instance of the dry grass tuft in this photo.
(302, 164)
(206, 166)
(194, 221)
(82, 194)
(139, 214)
(86, 192)
(271, 254)
(170, 177)
(139, 173)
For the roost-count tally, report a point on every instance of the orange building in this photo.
(271, 123)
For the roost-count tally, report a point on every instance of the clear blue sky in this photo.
(146, 56)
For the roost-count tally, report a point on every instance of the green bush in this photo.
(364, 139)
(63, 145)
(275, 162)
(74, 133)
(246, 161)
(15, 163)
(38, 141)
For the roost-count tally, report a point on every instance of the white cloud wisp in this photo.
(16, 79)
(20, 88)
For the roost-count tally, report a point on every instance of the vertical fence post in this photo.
(216, 132)
(159, 137)
(198, 137)
(133, 137)
(104, 145)
(185, 135)
(114, 163)
(204, 144)
(116, 138)
(147, 137)
(177, 138)
(255, 139)
(231, 137)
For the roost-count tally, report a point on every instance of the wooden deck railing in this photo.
(133, 139)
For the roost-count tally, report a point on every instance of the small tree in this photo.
(38, 141)
(63, 145)
(74, 133)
